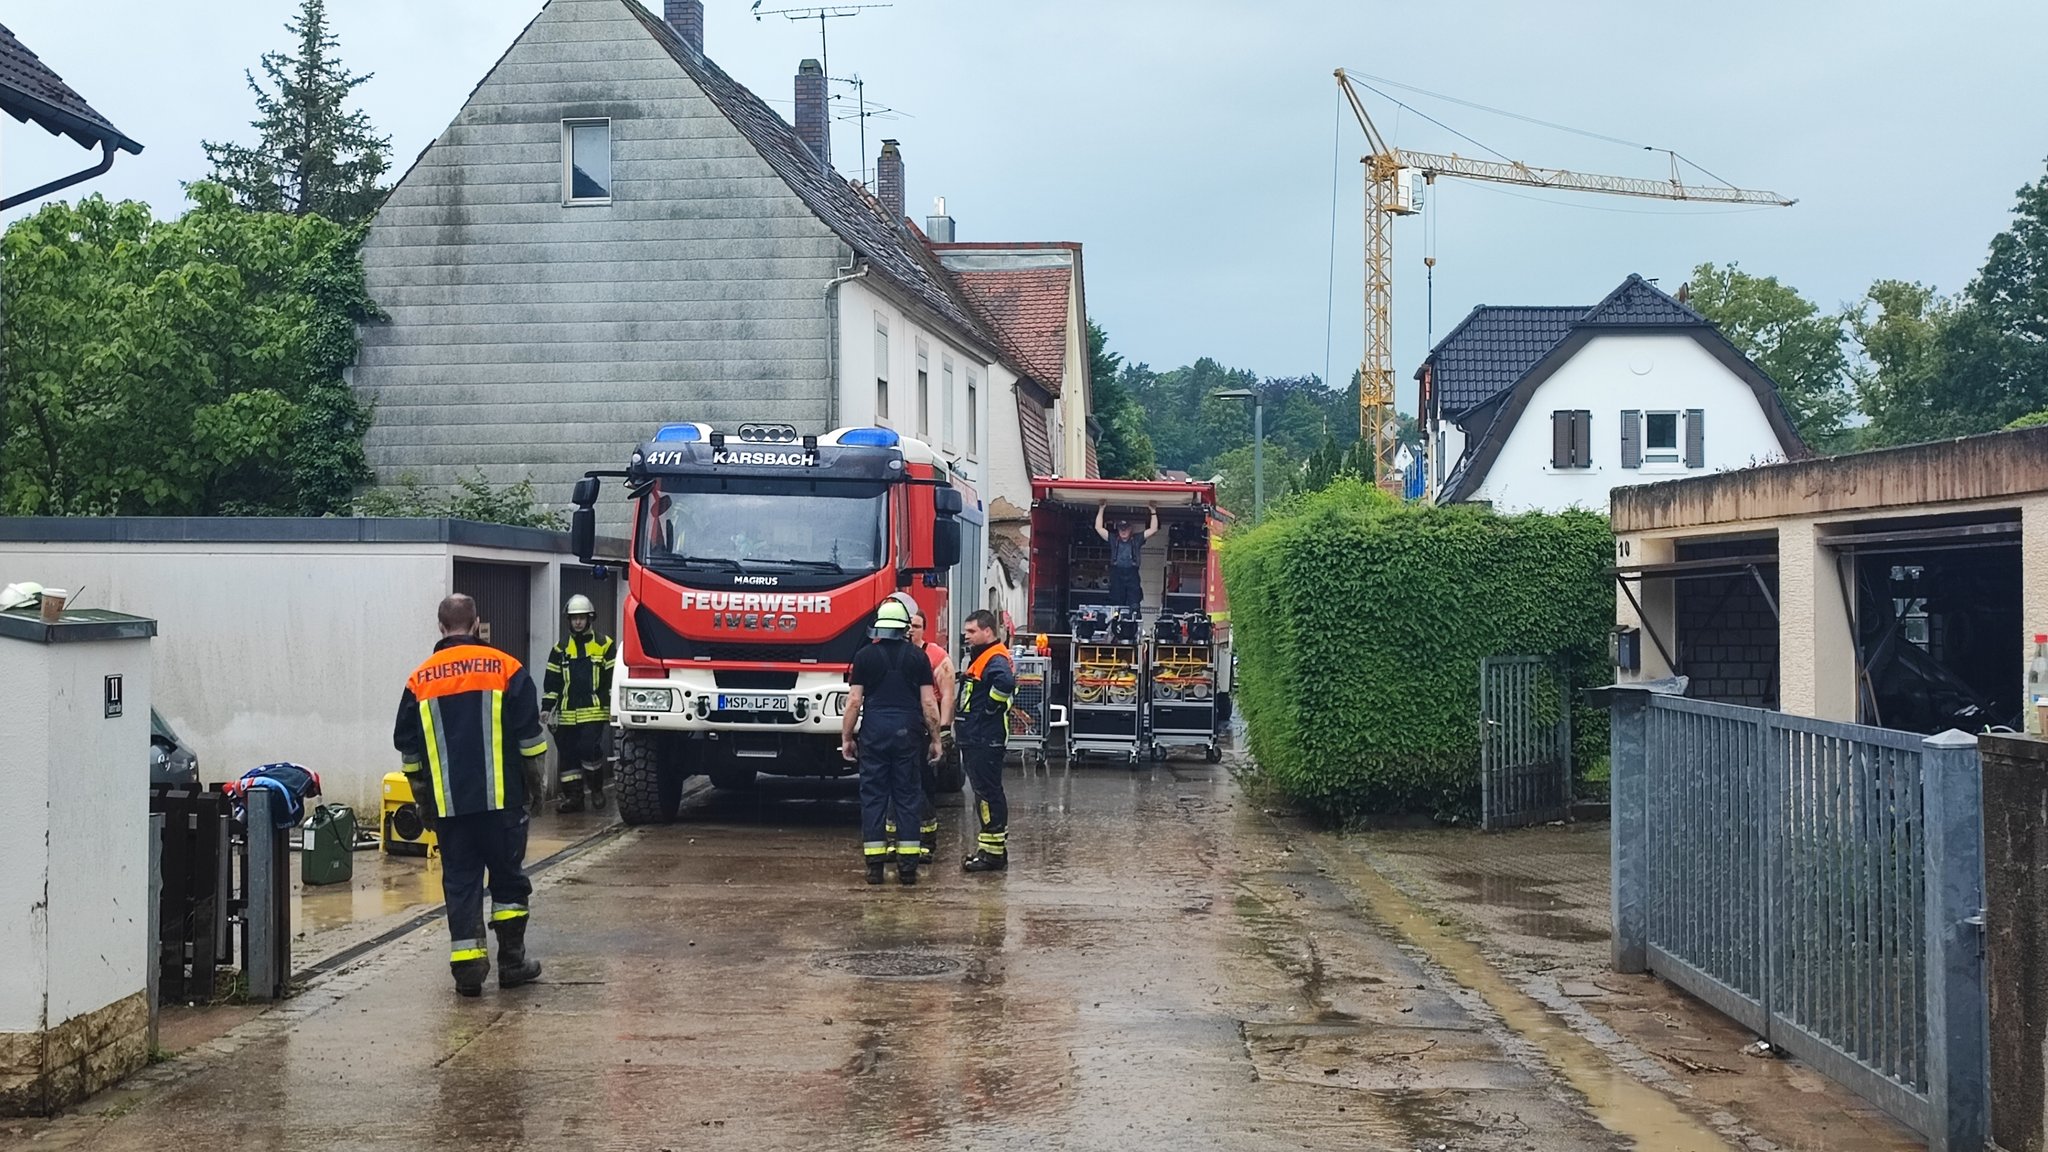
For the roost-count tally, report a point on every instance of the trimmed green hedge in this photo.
(1359, 623)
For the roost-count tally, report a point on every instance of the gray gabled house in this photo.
(614, 233)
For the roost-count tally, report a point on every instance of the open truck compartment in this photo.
(1132, 686)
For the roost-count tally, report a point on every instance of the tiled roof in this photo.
(1027, 310)
(886, 244)
(30, 91)
(1497, 345)
(1031, 421)
(1639, 302)
(1491, 349)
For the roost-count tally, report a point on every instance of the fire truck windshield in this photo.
(768, 526)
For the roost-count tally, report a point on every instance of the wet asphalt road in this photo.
(1161, 969)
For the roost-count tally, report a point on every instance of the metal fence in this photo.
(1819, 882)
(1525, 741)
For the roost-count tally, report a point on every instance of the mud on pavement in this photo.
(1525, 914)
(1163, 967)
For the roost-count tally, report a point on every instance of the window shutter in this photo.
(1695, 438)
(1560, 439)
(1582, 439)
(1632, 439)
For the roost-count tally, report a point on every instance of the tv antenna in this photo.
(860, 92)
(821, 15)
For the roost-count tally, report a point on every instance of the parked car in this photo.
(170, 760)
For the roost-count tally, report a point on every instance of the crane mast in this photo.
(1389, 173)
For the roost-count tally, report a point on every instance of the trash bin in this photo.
(328, 853)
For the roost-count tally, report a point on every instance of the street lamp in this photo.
(1258, 444)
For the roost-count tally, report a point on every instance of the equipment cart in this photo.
(1033, 715)
(1106, 685)
(1181, 689)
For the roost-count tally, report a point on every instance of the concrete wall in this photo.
(298, 652)
(529, 337)
(1611, 374)
(73, 846)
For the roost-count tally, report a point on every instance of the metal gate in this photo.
(504, 604)
(1525, 741)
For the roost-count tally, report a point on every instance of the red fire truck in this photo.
(758, 560)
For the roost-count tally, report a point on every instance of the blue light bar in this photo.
(870, 438)
(681, 434)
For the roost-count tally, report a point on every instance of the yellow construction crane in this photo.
(1390, 191)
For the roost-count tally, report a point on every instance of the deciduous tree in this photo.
(185, 367)
(1799, 346)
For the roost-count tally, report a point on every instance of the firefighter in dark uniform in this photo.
(981, 728)
(576, 701)
(469, 732)
(891, 729)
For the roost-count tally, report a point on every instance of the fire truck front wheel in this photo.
(650, 782)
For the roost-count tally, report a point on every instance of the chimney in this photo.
(889, 180)
(814, 112)
(687, 18)
(939, 226)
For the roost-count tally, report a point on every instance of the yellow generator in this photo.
(405, 834)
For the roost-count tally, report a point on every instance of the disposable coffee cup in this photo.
(53, 604)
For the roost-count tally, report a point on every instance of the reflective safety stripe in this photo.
(986, 815)
(889, 828)
(994, 843)
(466, 950)
(535, 746)
(412, 763)
(875, 848)
(508, 912)
(494, 737)
(999, 697)
(909, 848)
(569, 777)
(430, 722)
(928, 826)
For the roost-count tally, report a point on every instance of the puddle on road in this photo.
(1553, 927)
(1617, 1100)
(1507, 891)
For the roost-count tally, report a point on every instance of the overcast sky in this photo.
(1189, 143)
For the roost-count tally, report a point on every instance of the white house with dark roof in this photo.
(1548, 408)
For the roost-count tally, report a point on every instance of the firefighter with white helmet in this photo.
(891, 729)
(577, 702)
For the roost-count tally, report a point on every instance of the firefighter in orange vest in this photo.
(470, 735)
(981, 728)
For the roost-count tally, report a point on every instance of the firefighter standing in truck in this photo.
(981, 728)
(577, 702)
(470, 735)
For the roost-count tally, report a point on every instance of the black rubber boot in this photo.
(514, 967)
(928, 845)
(906, 874)
(597, 798)
(572, 798)
(986, 862)
(876, 872)
(470, 975)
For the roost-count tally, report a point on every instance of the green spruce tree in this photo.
(313, 156)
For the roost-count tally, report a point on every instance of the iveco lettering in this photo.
(757, 564)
